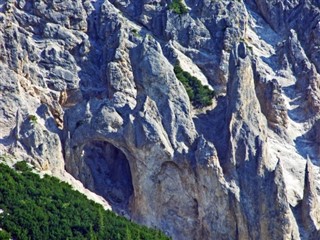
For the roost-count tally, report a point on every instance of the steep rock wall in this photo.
(89, 87)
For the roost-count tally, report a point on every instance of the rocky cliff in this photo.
(88, 87)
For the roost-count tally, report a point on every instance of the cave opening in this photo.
(110, 174)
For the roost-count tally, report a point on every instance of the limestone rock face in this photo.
(88, 88)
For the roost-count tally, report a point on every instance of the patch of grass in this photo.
(199, 95)
(135, 33)
(33, 119)
(149, 37)
(178, 7)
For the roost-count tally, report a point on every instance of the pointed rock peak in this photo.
(310, 204)
(278, 171)
(309, 188)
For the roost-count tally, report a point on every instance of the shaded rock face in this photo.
(106, 171)
(88, 87)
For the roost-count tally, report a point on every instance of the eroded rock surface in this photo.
(88, 87)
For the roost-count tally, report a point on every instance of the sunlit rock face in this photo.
(88, 87)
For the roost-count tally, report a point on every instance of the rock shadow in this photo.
(212, 125)
(299, 114)
(8, 140)
(99, 51)
(308, 145)
(107, 173)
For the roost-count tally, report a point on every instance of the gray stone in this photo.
(88, 87)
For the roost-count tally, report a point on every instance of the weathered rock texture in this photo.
(88, 86)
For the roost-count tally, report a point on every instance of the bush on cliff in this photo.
(199, 95)
(178, 7)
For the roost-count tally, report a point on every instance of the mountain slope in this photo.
(45, 208)
(89, 87)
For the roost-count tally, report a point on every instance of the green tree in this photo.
(22, 166)
(4, 235)
(46, 208)
(178, 7)
(128, 234)
(199, 95)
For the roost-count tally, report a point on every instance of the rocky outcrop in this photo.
(88, 87)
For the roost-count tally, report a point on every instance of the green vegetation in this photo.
(46, 208)
(33, 119)
(4, 235)
(22, 166)
(178, 7)
(149, 37)
(135, 33)
(200, 96)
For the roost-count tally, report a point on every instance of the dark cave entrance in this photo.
(109, 172)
